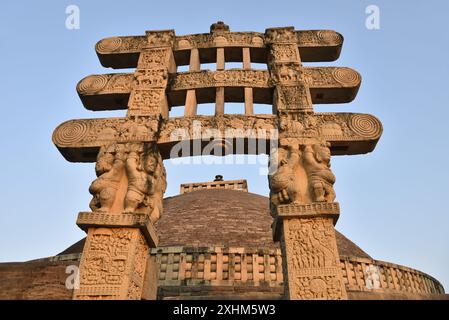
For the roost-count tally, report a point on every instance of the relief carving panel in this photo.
(104, 84)
(147, 102)
(312, 260)
(112, 264)
(227, 78)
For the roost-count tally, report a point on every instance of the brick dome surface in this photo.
(220, 217)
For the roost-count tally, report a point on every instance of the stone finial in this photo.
(218, 177)
(219, 27)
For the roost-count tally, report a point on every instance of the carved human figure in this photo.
(317, 166)
(137, 182)
(158, 184)
(284, 187)
(109, 168)
(311, 247)
(320, 236)
(146, 183)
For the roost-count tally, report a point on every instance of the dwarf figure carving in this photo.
(158, 185)
(283, 185)
(320, 177)
(137, 182)
(109, 166)
(146, 183)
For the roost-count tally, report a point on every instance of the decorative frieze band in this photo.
(308, 209)
(97, 132)
(316, 78)
(227, 78)
(348, 133)
(111, 91)
(123, 52)
(304, 211)
(88, 220)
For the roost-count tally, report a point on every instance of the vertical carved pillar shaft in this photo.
(302, 203)
(220, 59)
(219, 101)
(113, 264)
(148, 95)
(311, 263)
(301, 189)
(291, 91)
(219, 95)
(249, 107)
(127, 200)
(191, 103)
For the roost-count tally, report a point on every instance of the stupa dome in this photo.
(215, 241)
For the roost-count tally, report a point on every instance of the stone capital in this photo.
(304, 211)
(143, 222)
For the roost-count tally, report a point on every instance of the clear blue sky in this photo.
(392, 200)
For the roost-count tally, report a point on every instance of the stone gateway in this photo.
(215, 239)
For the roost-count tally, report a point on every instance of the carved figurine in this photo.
(157, 175)
(283, 185)
(137, 182)
(146, 183)
(317, 166)
(109, 167)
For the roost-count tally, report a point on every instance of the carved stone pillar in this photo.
(217, 30)
(311, 263)
(302, 204)
(127, 200)
(156, 61)
(219, 93)
(291, 91)
(191, 104)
